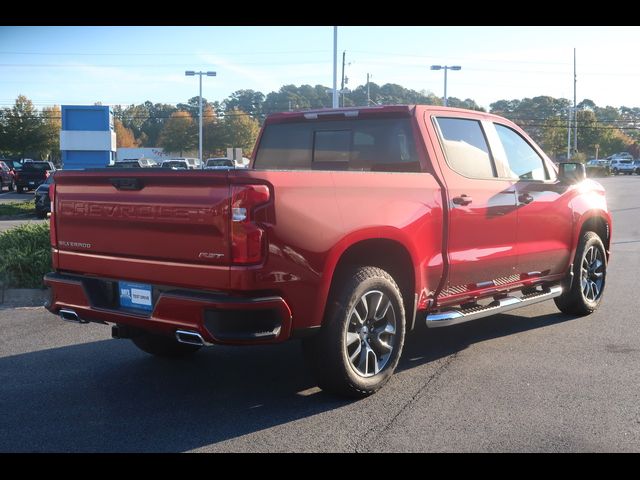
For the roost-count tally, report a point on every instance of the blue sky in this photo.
(123, 65)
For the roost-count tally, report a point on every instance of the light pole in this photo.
(191, 73)
(445, 68)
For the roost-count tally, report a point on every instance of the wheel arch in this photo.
(599, 223)
(389, 254)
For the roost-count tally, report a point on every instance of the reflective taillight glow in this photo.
(52, 219)
(247, 238)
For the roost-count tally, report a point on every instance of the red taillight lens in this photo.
(52, 222)
(247, 238)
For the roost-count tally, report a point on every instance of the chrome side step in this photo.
(453, 317)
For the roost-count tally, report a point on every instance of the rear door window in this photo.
(465, 147)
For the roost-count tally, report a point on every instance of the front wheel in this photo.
(359, 346)
(162, 346)
(589, 275)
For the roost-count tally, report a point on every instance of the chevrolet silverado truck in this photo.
(350, 227)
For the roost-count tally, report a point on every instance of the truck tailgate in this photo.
(153, 218)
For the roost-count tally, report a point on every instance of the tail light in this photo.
(247, 238)
(52, 223)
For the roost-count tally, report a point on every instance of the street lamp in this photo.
(191, 73)
(445, 68)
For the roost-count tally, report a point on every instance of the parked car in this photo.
(620, 156)
(6, 177)
(148, 162)
(42, 200)
(617, 165)
(32, 175)
(193, 163)
(352, 226)
(175, 164)
(218, 163)
(134, 163)
(14, 165)
(598, 168)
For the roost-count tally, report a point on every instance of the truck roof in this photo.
(383, 110)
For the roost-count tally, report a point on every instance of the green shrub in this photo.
(25, 255)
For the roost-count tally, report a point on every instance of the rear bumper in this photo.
(219, 318)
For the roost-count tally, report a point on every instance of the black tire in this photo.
(368, 340)
(615, 171)
(12, 186)
(583, 298)
(20, 189)
(162, 346)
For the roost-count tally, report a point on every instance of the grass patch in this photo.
(11, 209)
(26, 255)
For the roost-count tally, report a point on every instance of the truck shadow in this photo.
(425, 345)
(107, 396)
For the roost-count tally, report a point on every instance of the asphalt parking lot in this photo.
(531, 380)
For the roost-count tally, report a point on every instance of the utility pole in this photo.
(569, 113)
(368, 93)
(335, 67)
(575, 109)
(344, 53)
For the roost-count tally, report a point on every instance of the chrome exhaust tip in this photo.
(71, 316)
(190, 338)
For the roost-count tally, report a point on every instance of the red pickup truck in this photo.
(350, 227)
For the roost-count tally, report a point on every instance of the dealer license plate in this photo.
(135, 295)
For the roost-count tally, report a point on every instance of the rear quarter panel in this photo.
(317, 215)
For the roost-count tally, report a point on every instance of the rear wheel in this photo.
(589, 275)
(12, 185)
(20, 189)
(162, 346)
(359, 345)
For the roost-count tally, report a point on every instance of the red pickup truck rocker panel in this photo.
(349, 226)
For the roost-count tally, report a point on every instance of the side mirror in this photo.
(571, 172)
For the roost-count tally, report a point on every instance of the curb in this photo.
(23, 297)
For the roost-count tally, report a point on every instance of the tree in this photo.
(554, 137)
(212, 132)
(249, 101)
(52, 124)
(240, 131)
(124, 135)
(179, 133)
(23, 133)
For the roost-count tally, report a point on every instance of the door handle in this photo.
(462, 200)
(525, 198)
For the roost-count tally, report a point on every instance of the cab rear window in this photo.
(385, 144)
